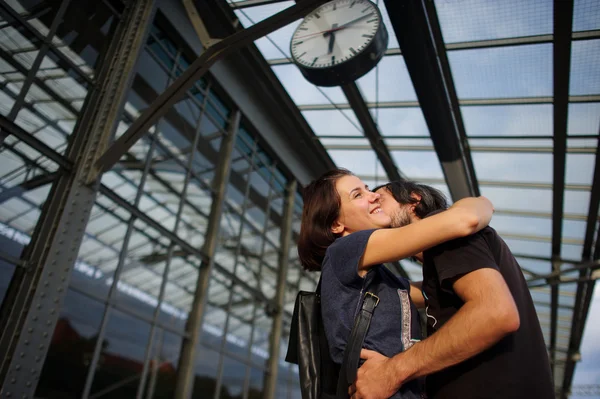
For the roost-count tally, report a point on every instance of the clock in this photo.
(339, 42)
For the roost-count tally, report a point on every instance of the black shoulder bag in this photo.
(320, 376)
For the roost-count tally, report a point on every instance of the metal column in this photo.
(563, 24)
(419, 35)
(36, 293)
(585, 289)
(184, 384)
(275, 338)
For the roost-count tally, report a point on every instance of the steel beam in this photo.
(184, 383)
(36, 293)
(487, 148)
(504, 184)
(584, 290)
(31, 184)
(194, 72)
(252, 3)
(463, 102)
(277, 326)
(236, 261)
(35, 143)
(419, 35)
(563, 24)
(41, 54)
(370, 130)
(481, 44)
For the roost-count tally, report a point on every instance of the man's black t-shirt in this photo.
(518, 365)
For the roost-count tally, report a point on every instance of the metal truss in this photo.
(36, 292)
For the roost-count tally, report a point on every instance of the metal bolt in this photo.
(37, 359)
(41, 346)
(28, 383)
(13, 381)
(45, 334)
(26, 342)
(50, 274)
(8, 394)
(18, 367)
(22, 354)
(30, 330)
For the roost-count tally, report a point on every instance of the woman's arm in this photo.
(465, 217)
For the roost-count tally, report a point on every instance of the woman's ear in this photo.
(337, 227)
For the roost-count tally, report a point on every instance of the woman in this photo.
(343, 234)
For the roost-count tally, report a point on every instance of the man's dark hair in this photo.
(321, 209)
(432, 199)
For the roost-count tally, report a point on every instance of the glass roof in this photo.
(501, 62)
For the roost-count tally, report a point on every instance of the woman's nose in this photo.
(375, 196)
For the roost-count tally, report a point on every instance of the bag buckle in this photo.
(374, 296)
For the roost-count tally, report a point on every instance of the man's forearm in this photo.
(470, 331)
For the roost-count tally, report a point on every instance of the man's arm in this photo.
(416, 294)
(489, 313)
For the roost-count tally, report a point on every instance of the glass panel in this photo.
(417, 165)
(580, 168)
(518, 71)
(574, 229)
(526, 247)
(359, 162)
(585, 75)
(206, 371)
(518, 199)
(73, 342)
(400, 121)
(529, 226)
(511, 167)
(392, 84)
(508, 120)
(577, 202)
(535, 266)
(482, 20)
(586, 15)
(10, 248)
(303, 92)
(258, 13)
(333, 123)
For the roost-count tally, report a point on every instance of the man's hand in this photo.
(376, 378)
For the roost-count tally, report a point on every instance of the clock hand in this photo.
(331, 38)
(329, 31)
(342, 26)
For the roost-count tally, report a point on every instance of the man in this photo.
(484, 338)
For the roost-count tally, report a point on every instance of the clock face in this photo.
(335, 33)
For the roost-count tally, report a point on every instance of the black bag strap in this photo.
(362, 322)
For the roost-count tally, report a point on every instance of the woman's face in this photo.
(360, 208)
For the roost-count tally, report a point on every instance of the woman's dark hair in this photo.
(321, 209)
(431, 199)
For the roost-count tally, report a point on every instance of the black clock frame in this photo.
(354, 68)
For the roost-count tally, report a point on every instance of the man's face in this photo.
(400, 214)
